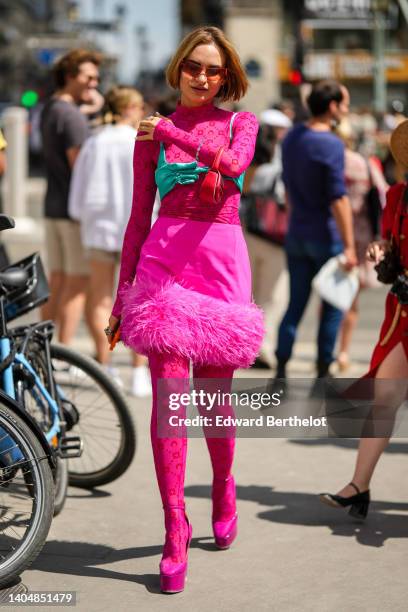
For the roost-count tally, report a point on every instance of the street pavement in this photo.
(292, 553)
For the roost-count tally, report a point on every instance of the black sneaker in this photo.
(260, 364)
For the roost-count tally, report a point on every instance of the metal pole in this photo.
(380, 85)
(28, 235)
(15, 130)
(404, 8)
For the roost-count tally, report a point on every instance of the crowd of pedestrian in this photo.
(360, 173)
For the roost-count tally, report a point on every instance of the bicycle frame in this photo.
(8, 380)
(7, 401)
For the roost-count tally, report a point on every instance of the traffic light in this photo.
(295, 77)
(29, 98)
(296, 72)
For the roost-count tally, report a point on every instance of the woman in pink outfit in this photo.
(184, 291)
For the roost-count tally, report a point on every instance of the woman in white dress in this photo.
(100, 198)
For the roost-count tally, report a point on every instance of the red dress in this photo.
(395, 325)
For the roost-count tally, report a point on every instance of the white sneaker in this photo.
(76, 372)
(114, 374)
(141, 382)
(67, 372)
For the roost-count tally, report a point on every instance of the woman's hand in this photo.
(112, 327)
(377, 250)
(148, 125)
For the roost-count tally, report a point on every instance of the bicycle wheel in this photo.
(27, 496)
(61, 484)
(97, 411)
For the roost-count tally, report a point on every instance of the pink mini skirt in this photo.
(192, 295)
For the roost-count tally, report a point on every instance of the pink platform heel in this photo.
(174, 562)
(224, 517)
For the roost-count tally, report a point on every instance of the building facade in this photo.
(255, 28)
(347, 41)
(280, 41)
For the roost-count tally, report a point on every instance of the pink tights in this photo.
(170, 453)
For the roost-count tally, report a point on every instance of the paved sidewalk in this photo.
(292, 553)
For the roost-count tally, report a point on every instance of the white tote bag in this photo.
(336, 285)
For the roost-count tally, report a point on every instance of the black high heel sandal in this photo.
(359, 502)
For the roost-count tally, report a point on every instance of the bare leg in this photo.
(394, 366)
(50, 308)
(346, 331)
(71, 306)
(138, 360)
(140, 386)
(99, 305)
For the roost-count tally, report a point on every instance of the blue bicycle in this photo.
(64, 391)
(26, 368)
(27, 470)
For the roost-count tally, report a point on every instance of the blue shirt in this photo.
(313, 173)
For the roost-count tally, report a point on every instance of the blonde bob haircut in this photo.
(236, 82)
(117, 100)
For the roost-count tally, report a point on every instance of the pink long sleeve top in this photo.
(206, 128)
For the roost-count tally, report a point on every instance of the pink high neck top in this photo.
(205, 128)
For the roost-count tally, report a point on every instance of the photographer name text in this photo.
(259, 421)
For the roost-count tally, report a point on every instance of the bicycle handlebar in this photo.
(14, 278)
(6, 222)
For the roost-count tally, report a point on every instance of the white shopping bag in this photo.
(336, 285)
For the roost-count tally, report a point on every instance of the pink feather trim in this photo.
(207, 330)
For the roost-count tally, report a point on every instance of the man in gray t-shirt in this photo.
(64, 129)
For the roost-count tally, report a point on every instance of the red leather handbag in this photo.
(212, 187)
